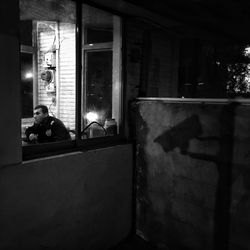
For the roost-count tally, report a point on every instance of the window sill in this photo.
(34, 151)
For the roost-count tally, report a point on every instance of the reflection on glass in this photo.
(98, 25)
(214, 70)
(101, 74)
(99, 90)
(94, 35)
(99, 84)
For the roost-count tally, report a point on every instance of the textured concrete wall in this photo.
(75, 201)
(193, 174)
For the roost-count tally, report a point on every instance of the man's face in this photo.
(39, 115)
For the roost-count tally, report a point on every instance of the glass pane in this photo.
(101, 73)
(98, 35)
(214, 70)
(98, 91)
(26, 85)
(26, 32)
(98, 25)
(99, 84)
(50, 38)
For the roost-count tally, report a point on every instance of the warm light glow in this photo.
(92, 116)
(28, 75)
(247, 51)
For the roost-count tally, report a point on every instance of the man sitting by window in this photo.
(46, 128)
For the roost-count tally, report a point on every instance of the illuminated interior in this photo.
(48, 64)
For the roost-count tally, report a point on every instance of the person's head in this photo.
(40, 112)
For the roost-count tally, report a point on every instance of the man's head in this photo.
(40, 112)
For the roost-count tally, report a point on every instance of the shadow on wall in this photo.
(180, 137)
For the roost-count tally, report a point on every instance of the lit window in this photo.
(50, 75)
(27, 84)
(101, 53)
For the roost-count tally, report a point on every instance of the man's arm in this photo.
(31, 134)
(58, 131)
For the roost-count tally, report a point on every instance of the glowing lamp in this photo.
(92, 116)
(28, 75)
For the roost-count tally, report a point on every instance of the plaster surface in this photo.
(193, 174)
(75, 201)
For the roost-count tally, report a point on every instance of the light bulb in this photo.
(28, 75)
(92, 116)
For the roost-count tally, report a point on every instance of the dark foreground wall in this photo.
(193, 174)
(76, 201)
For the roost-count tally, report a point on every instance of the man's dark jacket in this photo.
(58, 131)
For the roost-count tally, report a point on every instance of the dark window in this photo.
(94, 35)
(99, 83)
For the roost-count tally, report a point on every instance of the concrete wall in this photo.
(73, 201)
(193, 174)
(10, 84)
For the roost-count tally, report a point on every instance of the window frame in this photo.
(33, 151)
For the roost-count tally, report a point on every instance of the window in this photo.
(214, 70)
(101, 53)
(80, 87)
(27, 83)
(28, 87)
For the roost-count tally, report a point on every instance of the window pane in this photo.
(214, 70)
(98, 25)
(101, 73)
(26, 85)
(94, 35)
(26, 32)
(99, 83)
(50, 40)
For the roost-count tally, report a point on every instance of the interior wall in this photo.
(63, 107)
